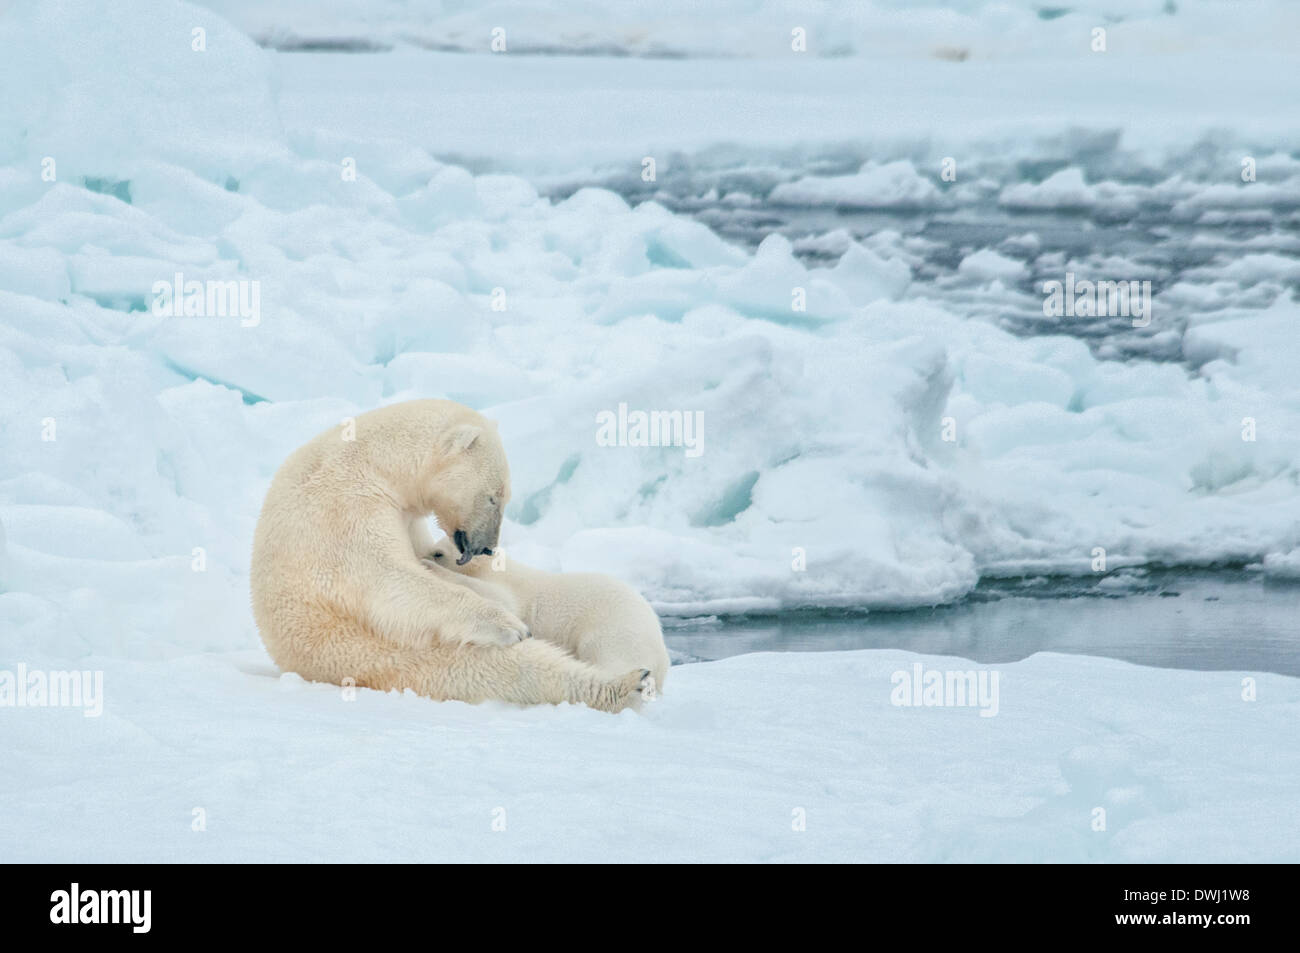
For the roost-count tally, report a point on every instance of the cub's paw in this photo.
(625, 691)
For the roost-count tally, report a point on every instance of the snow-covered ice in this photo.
(999, 30)
(823, 427)
(136, 447)
(727, 768)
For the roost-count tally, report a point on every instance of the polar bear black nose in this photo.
(461, 539)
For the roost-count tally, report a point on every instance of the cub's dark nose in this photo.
(461, 539)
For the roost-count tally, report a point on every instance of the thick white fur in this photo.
(597, 618)
(338, 592)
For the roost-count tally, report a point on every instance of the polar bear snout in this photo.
(477, 544)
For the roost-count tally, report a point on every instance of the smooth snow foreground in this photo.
(727, 765)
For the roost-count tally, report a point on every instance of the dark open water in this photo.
(1231, 621)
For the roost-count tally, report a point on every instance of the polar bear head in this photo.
(472, 488)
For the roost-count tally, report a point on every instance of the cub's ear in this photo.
(460, 439)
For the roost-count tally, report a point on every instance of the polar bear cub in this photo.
(339, 595)
(597, 618)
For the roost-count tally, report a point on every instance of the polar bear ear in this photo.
(461, 438)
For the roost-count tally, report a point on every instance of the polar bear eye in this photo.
(492, 500)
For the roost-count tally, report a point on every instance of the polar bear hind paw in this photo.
(626, 691)
(649, 689)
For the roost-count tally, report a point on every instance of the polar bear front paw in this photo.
(496, 627)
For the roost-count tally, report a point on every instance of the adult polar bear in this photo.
(339, 592)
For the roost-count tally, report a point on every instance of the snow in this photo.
(135, 448)
(988, 265)
(1281, 565)
(1184, 768)
(997, 30)
(1142, 113)
(887, 185)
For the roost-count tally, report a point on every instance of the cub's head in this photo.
(447, 555)
(472, 487)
